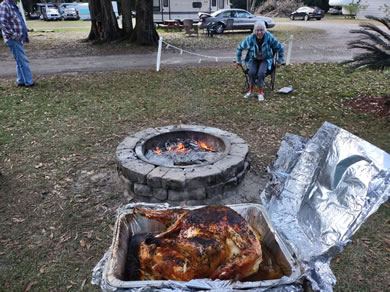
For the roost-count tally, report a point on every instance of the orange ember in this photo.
(157, 150)
(184, 147)
(204, 146)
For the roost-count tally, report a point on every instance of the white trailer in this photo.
(377, 8)
(185, 9)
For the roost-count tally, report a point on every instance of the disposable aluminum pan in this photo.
(276, 256)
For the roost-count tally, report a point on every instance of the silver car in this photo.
(232, 19)
(70, 13)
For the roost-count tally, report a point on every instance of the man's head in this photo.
(259, 29)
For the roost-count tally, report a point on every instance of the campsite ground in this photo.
(59, 189)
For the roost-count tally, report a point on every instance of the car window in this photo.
(227, 14)
(243, 14)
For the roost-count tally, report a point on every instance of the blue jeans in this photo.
(257, 70)
(22, 64)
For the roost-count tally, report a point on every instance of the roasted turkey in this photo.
(209, 242)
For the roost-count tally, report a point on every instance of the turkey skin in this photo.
(210, 242)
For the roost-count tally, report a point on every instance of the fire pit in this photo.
(182, 164)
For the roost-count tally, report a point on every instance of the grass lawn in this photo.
(58, 188)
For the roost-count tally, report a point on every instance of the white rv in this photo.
(377, 8)
(185, 9)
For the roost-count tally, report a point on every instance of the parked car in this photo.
(70, 13)
(307, 13)
(334, 11)
(51, 14)
(232, 19)
(32, 15)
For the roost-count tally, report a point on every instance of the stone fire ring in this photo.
(190, 185)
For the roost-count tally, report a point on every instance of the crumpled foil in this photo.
(320, 192)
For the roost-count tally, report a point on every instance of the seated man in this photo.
(260, 46)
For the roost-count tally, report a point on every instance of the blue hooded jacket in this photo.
(270, 43)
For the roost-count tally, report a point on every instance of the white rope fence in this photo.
(201, 56)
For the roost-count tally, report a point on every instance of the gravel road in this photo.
(330, 46)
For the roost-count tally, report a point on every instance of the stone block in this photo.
(128, 143)
(202, 176)
(136, 170)
(142, 190)
(240, 150)
(160, 194)
(230, 166)
(174, 179)
(123, 155)
(154, 178)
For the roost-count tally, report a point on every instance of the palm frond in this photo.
(374, 46)
(375, 36)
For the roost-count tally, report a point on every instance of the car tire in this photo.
(318, 18)
(292, 17)
(306, 18)
(219, 28)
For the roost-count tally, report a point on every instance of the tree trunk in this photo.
(127, 20)
(104, 26)
(145, 33)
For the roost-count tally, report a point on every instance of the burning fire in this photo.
(183, 147)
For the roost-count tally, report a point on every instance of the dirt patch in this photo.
(376, 105)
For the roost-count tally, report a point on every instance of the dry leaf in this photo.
(387, 241)
(88, 246)
(83, 284)
(39, 165)
(82, 242)
(29, 285)
(69, 286)
(17, 220)
(42, 269)
(111, 227)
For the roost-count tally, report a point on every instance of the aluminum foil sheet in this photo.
(320, 193)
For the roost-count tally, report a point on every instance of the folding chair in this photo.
(269, 77)
(190, 28)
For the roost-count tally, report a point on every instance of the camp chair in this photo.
(269, 77)
(189, 27)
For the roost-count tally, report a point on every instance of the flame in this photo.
(204, 146)
(157, 150)
(181, 148)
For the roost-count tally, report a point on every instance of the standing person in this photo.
(260, 46)
(15, 35)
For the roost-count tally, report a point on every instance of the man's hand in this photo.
(278, 64)
(239, 64)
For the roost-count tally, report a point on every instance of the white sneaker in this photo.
(260, 97)
(248, 95)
